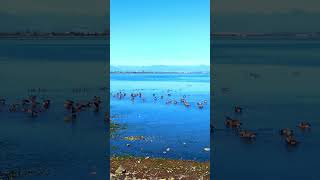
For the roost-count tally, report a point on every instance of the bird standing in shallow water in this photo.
(290, 140)
(286, 132)
(247, 134)
(237, 109)
(304, 125)
(2, 101)
(233, 123)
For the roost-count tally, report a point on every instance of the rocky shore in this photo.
(128, 167)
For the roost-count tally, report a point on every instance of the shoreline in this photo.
(53, 37)
(127, 167)
(159, 72)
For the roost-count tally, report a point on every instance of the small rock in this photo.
(120, 170)
(112, 176)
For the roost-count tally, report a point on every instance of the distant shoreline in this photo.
(52, 35)
(159, 72)
(285, 35)
(244, 35)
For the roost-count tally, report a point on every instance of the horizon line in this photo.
(160, 65)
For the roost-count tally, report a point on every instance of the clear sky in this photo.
(265, 15)
(54, 15)
(227, 15)
(160, 32)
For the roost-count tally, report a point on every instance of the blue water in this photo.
(257, 51)
(275, 81)
(54, 49)
(46, 145)
(184, 130)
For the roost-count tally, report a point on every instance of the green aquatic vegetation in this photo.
(115, 127)
(134, 138)
(114, 147)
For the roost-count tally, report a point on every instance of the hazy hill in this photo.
(160, 68)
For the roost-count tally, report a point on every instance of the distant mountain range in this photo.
(161, 68)
(290, 35)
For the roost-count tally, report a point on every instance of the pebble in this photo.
(120, 170)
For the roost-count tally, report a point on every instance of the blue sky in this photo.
(265, 15)
(54, 15)
(228, 15)
(160, 32)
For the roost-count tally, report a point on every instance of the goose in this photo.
(291, 141)
(186, 104)
(237, 109)
(233, 123)
(68, 104)
(46, 104)
(211, 128)
(304, 125)
(2, 101)
(200, 105)
(286, 132)
(247, 134)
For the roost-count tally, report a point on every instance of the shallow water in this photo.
(184, 130)
(46, 145)
(277, 87)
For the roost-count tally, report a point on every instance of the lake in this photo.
(47, 146)
(275, 82)
(170, 130)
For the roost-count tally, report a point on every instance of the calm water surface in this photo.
(46, 145)
(185, 131)
(275, 81)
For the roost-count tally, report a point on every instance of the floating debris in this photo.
(134, 138)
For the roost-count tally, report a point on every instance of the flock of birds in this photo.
(138, 95)
(286, 133)
(33, 107)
